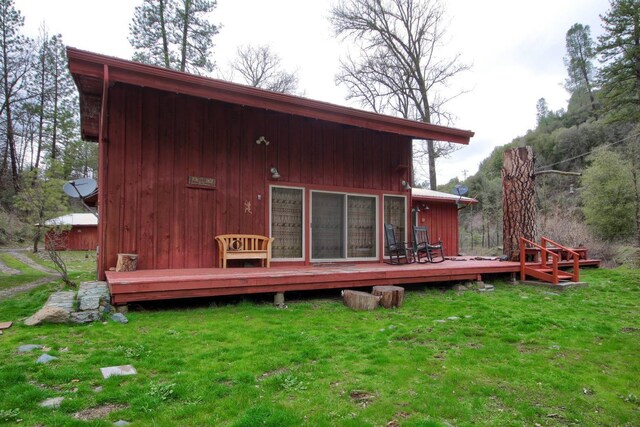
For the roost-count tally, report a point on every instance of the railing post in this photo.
(522, 258)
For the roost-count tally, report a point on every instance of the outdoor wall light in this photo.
(274, 173)
(405, 185)
(262, 140)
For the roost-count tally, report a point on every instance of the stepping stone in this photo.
(45, 358)
(27, 348)
(121, 423)
(453, 318)
(53, 402)
(119, 318)
(118, 370)
(440, 321)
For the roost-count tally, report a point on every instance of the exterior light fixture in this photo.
(262, 140)
(405, 185)
(274, 172)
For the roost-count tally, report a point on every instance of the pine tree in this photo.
(619, 48)
(579, 61)
(174, 34)
(14, 64)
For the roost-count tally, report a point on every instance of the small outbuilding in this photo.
(439, 212)
(79, 232)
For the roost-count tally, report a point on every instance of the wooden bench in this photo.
(244, 246)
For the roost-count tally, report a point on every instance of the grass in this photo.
(516, 356)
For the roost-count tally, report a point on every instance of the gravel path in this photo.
(8, 293)
(20, 256)
(8, 270)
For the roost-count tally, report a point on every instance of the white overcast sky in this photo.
(515, 48)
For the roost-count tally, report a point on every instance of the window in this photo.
(343, 226)
(287, 219)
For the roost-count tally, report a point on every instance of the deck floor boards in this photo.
(145, 285)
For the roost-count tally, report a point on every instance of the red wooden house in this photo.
(184, 158)
(79, 232)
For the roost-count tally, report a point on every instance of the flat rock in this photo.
(453, 318)
(48, 314)
(62, 299)
(121, 423)
(45, 358)
(111, 371)
(119, 318)
(85, 316)
(440, 321)
(27, 348)
(53, 402)
(92, 294)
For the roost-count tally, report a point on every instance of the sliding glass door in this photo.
(343, 226)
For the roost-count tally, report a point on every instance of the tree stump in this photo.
(360, 300)
(391, 296)
(127, 262)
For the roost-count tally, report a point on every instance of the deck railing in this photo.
(544, 271)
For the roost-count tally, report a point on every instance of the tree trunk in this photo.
(433, 183)
(518, 199)
(391, 296)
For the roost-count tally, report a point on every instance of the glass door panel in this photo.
(286, 222)
(361, 226)
(327, 226)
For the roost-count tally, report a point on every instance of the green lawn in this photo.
(516, 356)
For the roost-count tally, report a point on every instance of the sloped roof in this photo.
(439, 196)
(94, 73)
(73, 219)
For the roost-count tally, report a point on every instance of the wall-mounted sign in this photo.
(201, 182)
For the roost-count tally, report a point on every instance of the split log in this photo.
(360, 300)
(127, 262)
(391, 296)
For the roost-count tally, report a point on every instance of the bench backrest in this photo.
(244, 242)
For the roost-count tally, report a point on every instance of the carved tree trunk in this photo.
(518, 199)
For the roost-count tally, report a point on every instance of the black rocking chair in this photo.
(422, 246)
(396, 249)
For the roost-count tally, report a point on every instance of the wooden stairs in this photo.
(549, 256)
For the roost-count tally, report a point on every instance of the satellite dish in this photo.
(80, 188)
(460, 190)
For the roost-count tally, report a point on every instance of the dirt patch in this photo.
(362, 398)
(269, 374)
(629, 330)
(8, 270)
(97, 412)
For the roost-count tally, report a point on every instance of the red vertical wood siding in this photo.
(78, 238)
(158, 139)
(442, 220)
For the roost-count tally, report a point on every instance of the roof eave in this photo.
(91, 65)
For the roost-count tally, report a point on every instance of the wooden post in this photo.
(392, 296)
(127, 262)
(518, 199)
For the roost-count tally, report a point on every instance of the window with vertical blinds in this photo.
(287, 222)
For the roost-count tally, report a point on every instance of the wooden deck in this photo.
(147, 285)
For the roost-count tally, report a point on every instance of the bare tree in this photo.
(399, 70)
(56, 240)
(260, 67)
